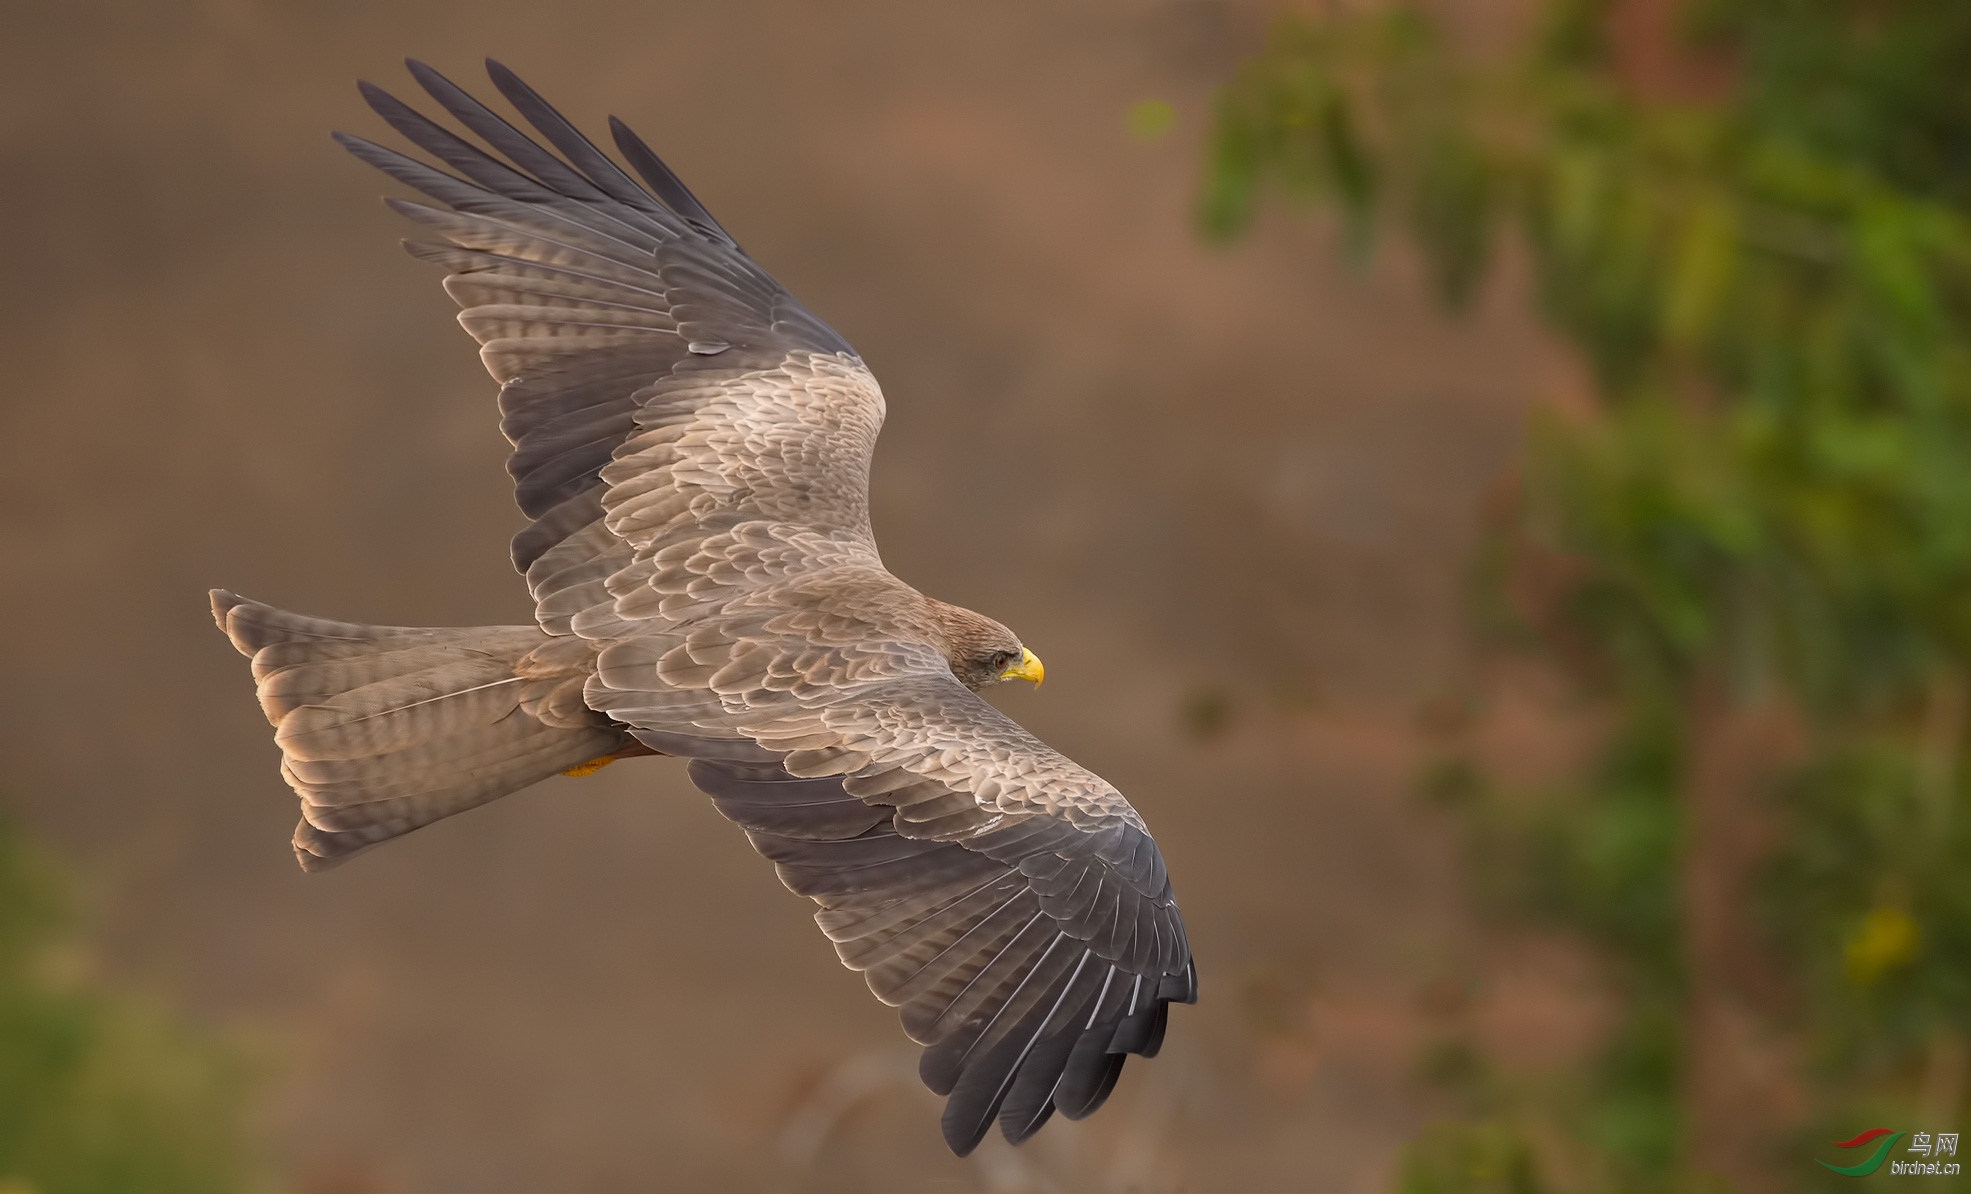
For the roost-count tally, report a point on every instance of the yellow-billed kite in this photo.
(693, 447)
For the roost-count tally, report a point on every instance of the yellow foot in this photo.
(632, 749)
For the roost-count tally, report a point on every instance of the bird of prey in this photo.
(692, 447)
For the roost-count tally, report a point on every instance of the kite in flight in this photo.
(692, 448)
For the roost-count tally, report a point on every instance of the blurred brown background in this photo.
(1250, 479)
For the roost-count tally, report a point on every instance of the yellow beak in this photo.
(1027, 669)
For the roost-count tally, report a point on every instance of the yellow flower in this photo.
(1151, 119)
(1886, 938)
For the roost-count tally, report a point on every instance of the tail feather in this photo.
(384, 729)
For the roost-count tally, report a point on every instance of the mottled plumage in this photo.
(692, 448)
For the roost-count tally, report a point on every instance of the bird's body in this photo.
(693, 449)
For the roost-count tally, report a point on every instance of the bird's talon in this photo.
(632, 749)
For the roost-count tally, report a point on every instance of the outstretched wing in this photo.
(656, 384)
(1008, 902)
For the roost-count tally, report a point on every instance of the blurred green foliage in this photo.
(1763, 251)
(99, 1094)
(1151, 119)
(1474, 1158)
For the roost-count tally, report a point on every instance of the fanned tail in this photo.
(384, 729)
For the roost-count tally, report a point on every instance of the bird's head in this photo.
(982, 652)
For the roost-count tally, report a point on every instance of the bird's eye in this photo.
(1001, 658)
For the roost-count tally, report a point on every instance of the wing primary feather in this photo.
(447, 147)
(1138, 1031)
(1181, 988)
(965, 990)
(552, 184)
(1030, 1087)
(966, 1114)
(973, 1033)
(942, 1063)
(668, 186)
(494, 129)
(446, 188)
(1096, 1010)
(580, 151)
(1154, 1043)
(984, 1086)
(472, 212)
(1091, 1070)
(481, 209)
(1088, 1077)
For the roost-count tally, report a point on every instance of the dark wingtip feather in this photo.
(984, 1083)
(664, 181)
(1087, 1085)
(384, 104)
(937, 1068)
(1158, 1022)
(963, 1132)
(373, 95)
(563, 135)
(447, 147)
(1180, 988)
(1020, 1131)
(1067, 1061)
(1030, 1099)
(502, 136)
(1134, 1030)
